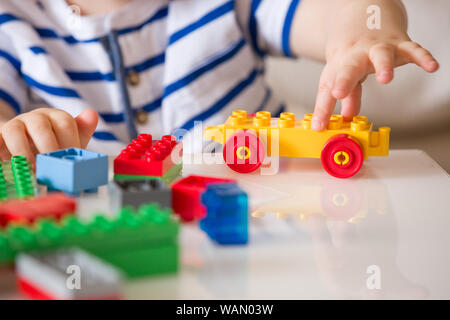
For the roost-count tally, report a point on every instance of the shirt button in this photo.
(133, 78)
(141, 117)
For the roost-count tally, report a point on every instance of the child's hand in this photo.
(349, 63)
(341, 33)
(45, 130)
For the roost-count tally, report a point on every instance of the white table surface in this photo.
(314, 236)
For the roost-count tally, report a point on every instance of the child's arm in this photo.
(43, 130)
(337, 32)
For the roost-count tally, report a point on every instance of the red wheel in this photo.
(342, 157)
(243, 152)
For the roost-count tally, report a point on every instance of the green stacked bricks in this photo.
(3, 190)
(141, 243)
(23, 177)
(17, 179)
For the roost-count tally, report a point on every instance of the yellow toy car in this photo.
(342, 148)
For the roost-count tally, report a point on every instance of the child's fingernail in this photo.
(432, 63)
(316, 124)
(384, 76)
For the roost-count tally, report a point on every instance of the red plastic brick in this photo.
(54, 205)
(31, 292)
(27, 289)
(146, 157)
(186, 196)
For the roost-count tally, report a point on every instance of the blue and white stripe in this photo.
(197, 60)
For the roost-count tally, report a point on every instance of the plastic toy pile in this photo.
(43, 237)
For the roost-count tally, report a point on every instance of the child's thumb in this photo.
(87, 123)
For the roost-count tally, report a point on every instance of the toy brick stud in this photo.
(138, 147)
(336, 122)
(171, 139)
(161, 150)
(306, 122)
(238, 117)
(129, 153)
(239, 114)
(287, 120)
(165, 147)
(262, 119)
(144, 140)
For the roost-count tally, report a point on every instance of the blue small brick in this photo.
(227, 218)
(72, 170)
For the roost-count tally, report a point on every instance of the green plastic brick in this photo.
(17, 180)
(3, 190)
(170, 176)
(130, 232)
(145, 261)
(6, 253)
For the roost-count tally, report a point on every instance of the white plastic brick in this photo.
(48, 272)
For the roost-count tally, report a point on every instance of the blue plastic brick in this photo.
(227, 218)
(72, 170)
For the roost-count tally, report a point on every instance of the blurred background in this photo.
(416, 105)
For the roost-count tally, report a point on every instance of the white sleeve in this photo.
(267, 24)
(13, 89)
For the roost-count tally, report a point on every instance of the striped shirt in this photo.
(158, 66)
